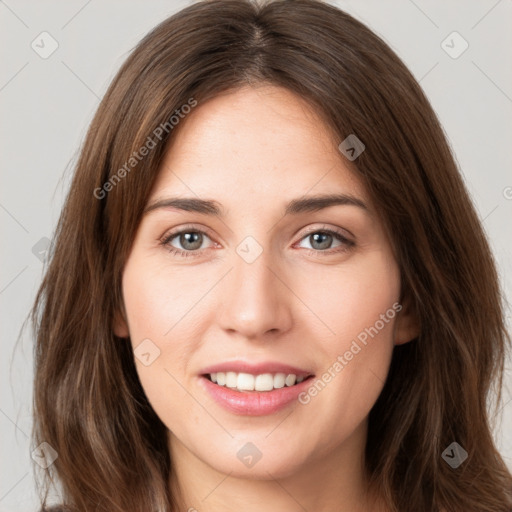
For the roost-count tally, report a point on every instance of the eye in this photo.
(321, 240)
(191, 241)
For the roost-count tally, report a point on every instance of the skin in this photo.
(300, 302)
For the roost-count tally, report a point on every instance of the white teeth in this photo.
(279, 380)
(245, 382)
(290, 379)
(231, 379)
(248, 382)
(264, 382)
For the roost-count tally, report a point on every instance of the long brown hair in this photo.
(88, 402)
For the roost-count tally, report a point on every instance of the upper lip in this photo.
(256, 368)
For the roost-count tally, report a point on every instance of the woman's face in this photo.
(263, 288)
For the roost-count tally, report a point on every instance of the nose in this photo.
(256, 303)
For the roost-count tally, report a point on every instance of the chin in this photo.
(259, 459)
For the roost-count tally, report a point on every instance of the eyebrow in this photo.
(296, 206)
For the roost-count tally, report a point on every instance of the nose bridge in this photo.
(255, 301)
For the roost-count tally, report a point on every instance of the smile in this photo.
(248, 382)
(250, 389)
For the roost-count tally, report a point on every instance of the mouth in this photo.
(260, 383)
(254, 388)
(258, 393)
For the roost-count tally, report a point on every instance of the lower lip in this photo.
(254, 403)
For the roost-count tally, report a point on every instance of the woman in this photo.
(269, 288)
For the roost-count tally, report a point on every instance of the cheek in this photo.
(160, 311)
(159, 302)
(350, 299)
(359, 304)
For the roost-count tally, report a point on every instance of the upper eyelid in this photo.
(337, 230)
(185, 229)
(167, 237)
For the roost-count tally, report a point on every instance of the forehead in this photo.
(264, 143)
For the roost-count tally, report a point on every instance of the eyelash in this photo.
(348, 244)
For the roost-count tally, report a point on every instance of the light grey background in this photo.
(46, 105)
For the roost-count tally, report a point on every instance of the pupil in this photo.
(325, 240)
(191, 238)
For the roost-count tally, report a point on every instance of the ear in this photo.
(120, 325)
(407, 325)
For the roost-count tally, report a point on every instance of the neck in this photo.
(325, 482)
